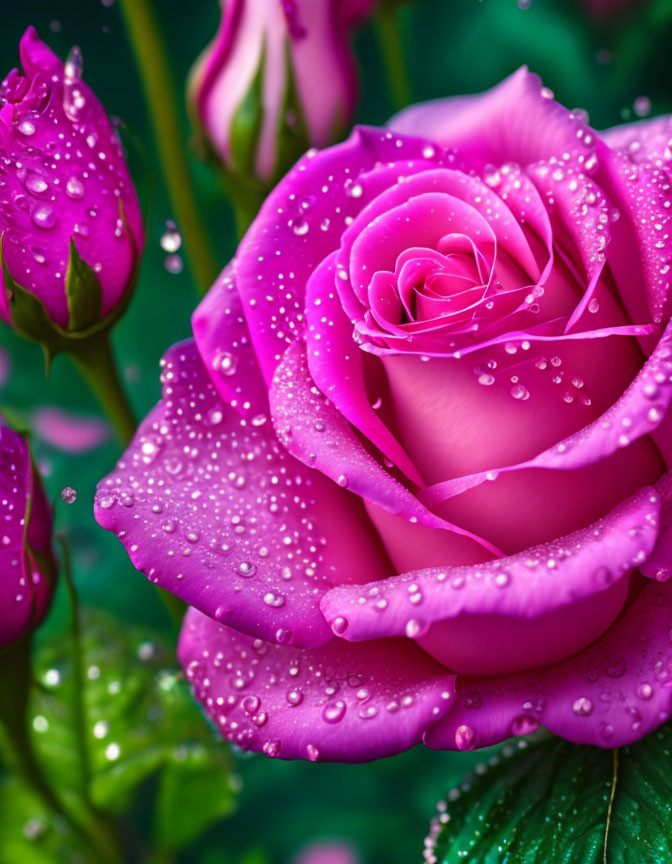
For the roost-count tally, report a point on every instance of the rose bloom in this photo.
(410, 473)
(27, 573)
(63, 181)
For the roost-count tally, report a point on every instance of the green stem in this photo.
(78, 707)
(102, 826)
(160, 93)
(94, 359)
(393, 53)
(15, 677)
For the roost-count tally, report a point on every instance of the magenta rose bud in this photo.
(69, 216)
(412, 474)
(278, 79)
(27, 573)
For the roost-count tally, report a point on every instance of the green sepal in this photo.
(83, 292)
(31, 320)
(292, 140)
(246, 124)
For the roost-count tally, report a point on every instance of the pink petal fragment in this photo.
(527, 585)
(211, 507)
(340, 702)
(611, 694)
(67, 432)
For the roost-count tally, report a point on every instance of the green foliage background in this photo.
(451, 47)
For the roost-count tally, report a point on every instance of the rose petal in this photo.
(508, 606)
(516, 121)
(340, 702)
(316, 433)
(212, 508)
(24, 589)
(637, 413)
(223, 341)
(301, 223)
(611, 694)
(337, 366)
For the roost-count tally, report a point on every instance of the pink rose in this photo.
(27, 573)
(411, 472)
(278, 78)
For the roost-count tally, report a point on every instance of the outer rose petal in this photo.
(613, 693)
(223, 341)
(215, 510)
(545, 603)
(516, 121)
(340, 702)
(649, 139)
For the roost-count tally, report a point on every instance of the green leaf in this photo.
(195, 775)
(29, 834)
(83, 292)
(139, 719)
(552, 801)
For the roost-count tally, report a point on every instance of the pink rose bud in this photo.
(27, 574)
(69, 217)
(278, 79)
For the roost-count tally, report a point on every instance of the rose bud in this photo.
(278, 79)
(69, 216)
(27, 574)
(413, 472)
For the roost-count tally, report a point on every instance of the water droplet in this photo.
(518, 391)
(339, 625)
(312, 752)
(334, 712)
(225, 363)
(26, 127)
(524, 725)
(69, 495)
(271, 748)
(171, 239)
(582, 706)
(43, 216)
(465, 737)
(74, 188)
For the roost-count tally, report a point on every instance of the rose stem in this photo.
(15, 678)
(389, 36)
(160, 93)
(105, 829)
(94, 359)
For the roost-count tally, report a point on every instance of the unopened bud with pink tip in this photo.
(278, 79)
(69, 217)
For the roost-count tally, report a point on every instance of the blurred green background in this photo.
(451, 47)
